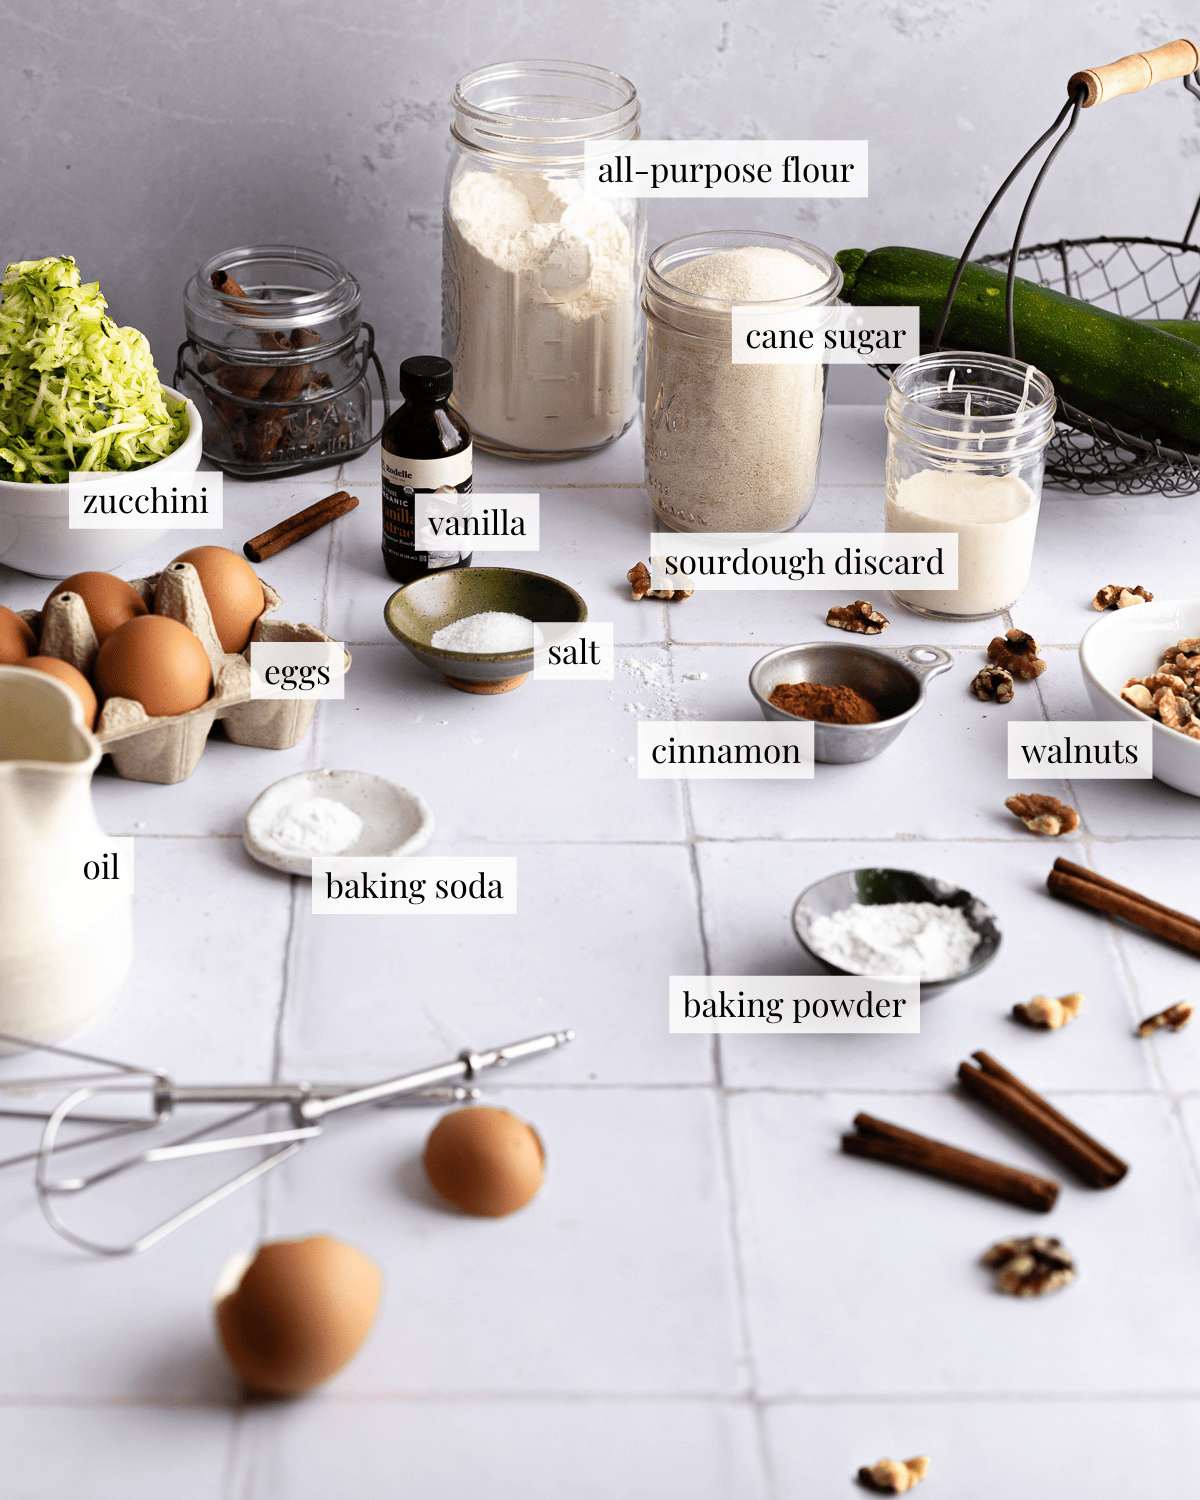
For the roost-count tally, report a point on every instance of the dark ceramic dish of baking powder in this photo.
(871, 887)
(893, 678)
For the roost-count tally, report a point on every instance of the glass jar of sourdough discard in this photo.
(277, 359)
(967, 437)
(540, 313)
(730, 447)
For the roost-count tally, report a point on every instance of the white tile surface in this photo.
(114, 1452)
(590, 1449)
(707, 1299)
(1040, 1449)
(616, 1279)
(875, 1270)
(597, 929)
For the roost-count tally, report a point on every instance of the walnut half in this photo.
(859, 617)
(1017, 652)
(1030, 1267)
(1174, 1018)
(892, 1477)
(639, 584)
(1044, 815)
(993, 683)
(1047, 1014)
(1117, 596)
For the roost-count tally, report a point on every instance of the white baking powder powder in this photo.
(541, 311)
(917, 939)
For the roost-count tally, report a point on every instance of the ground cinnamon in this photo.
(830, 705)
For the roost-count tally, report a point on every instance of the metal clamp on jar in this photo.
(277, 360)
(540, 279)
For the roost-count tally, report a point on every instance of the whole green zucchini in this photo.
(1182, 328)
(1104, 364)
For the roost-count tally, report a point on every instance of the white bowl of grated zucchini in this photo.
(35, 535)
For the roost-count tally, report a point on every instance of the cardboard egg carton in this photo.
(168, 749)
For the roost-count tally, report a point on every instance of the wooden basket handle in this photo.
(1136, 72)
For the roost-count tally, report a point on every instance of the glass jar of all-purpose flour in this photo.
(540, 280)
(730, 447)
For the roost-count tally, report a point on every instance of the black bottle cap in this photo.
(426, 377)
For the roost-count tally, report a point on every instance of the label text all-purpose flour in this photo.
(731, 447)
(541, 313)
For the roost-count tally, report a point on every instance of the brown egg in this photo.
(73, 678)
(109, 601)
(299, 1313)
(233, 592)
(485, 1161)
(17, 640)
(157, 662)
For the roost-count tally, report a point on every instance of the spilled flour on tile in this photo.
(655, 678)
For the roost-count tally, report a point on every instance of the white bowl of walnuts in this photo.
(1144, 663)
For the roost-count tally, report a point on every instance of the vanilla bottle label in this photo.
(403, 479)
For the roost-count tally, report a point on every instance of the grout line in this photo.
(558, 1397)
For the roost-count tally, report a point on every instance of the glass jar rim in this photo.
(480, 123)
(341, 296)
(1020, 370)
(691, 247)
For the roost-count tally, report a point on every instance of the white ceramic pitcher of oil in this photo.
(65, 943)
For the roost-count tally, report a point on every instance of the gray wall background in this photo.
(143, 138)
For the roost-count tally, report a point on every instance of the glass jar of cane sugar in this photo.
(730, 447)
(967, 437)
(540, 280)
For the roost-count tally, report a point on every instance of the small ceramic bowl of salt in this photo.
(478, 627)
(319, 813)
(898, 924)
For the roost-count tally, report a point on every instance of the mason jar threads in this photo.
(277, 360)
(730, 447)
(967, 437)
(540, 313)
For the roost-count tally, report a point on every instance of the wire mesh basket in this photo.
(1140, 278)
(1134, 276)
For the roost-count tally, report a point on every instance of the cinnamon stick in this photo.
(296, 527)
(1004, 1092)
(1115, 900)
(222, 281)
(1083, 873)
(877, 1140)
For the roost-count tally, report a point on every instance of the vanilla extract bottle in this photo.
(426, 450)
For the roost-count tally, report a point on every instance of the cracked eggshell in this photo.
(295, 1314)
(484, 1161)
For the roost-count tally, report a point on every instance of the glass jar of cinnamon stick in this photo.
(277, 358)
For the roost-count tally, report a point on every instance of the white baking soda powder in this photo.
(314, 825)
